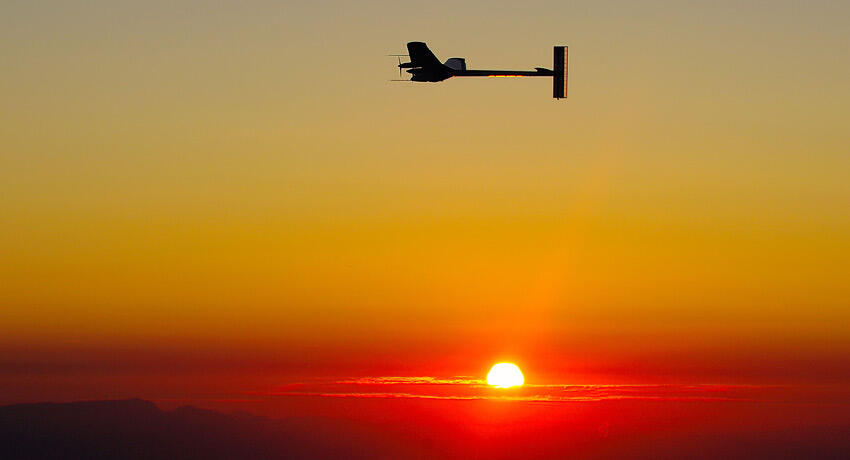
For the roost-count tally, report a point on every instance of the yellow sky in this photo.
(244, 171)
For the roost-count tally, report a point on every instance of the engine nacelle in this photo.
(456, 63)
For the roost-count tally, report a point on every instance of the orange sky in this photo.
(238, 185)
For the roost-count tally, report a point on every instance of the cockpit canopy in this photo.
(456, 63)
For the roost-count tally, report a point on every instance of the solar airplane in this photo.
(424, 66)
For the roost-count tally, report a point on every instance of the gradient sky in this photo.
(237, 185)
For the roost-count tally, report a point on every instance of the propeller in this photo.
(398, 56)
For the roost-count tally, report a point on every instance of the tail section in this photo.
(560, 68)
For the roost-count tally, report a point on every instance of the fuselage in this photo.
(444, 72)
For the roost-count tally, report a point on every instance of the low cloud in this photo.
(467, 388)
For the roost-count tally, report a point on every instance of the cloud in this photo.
(466, 388)
(412, 381)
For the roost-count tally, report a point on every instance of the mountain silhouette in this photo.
(137, 429)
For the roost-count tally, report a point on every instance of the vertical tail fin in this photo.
(560, 68)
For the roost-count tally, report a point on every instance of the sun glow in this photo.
(505, 375)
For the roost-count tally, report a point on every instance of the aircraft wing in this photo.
(421, 56)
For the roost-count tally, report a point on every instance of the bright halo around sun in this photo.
(505, 375)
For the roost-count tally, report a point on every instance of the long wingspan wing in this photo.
(421, 56)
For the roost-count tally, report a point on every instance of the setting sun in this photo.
(505, 375)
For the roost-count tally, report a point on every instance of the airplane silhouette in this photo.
(424, 66)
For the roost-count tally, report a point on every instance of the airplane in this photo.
(425, 67)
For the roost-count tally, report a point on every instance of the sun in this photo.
(505, 375)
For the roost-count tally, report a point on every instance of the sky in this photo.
(235, 189)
